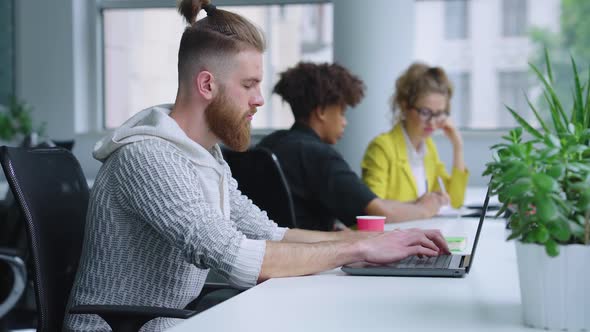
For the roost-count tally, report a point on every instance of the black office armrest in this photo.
(13, 279)
(125, 318)
(210, 287)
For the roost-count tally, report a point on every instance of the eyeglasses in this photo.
(426, 115)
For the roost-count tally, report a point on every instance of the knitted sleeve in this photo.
(159, 184)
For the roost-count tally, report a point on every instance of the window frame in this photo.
(511, 26)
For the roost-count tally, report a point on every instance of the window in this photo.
(514, 18)
(512, 88)
(140, 56)
(6, 51)
(488, 68)
(456, 18)
(461, 100)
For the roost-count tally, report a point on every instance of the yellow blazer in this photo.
(386, 170)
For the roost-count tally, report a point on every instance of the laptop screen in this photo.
(481, 218)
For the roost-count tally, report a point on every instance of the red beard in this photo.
(228, 122)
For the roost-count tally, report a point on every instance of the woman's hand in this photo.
(455, 137)
(452, 133)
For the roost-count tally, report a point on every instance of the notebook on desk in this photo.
(440, 266)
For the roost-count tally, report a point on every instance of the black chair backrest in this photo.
(260, 177)
(52, 192)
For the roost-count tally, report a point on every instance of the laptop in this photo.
(414, 266)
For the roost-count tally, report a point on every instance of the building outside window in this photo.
(514, 18)
(456, 19)
(140, 56)
(141, 49)
(461, 100)
(512, 85)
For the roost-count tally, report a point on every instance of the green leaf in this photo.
(516, 171)
(548, 65)
(503, 145)
(530, 129)
(551, 248)
(557, 112)
(517, 150)
(578, 111)
(559, 230)
(541, 234)
(546, 210)
(536, 113)
(552, 140)
(504, 153)
(519, 188)
(529, 237)
(544, 182)
(556, 171)
(586, 122)
(577, 228)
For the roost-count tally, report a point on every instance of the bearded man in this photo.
(164, 208)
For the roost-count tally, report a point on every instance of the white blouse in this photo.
(416, 160)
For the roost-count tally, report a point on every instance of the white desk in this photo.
(487, 299)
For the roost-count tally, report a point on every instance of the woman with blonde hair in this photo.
(403, 164)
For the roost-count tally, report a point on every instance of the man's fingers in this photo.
(436, 236)
(427, 243)
(420, 250)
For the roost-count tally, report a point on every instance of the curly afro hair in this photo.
(310, 85)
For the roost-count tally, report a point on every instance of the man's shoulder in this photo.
(152, 151)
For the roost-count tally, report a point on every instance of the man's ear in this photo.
(204, 84)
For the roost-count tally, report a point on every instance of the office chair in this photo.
(52, 193)
(13, 277)
(261, 178)
(13, 236)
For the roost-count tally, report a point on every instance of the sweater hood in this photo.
(156, 123)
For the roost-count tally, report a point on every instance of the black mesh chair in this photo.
(52, 193)
(261, 178)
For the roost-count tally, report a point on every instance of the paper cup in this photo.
(370, 223)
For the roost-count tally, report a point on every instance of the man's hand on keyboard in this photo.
(396, 245)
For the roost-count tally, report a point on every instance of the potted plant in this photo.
(543, 177)
(16, 123)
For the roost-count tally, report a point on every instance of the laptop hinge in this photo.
(465, 261)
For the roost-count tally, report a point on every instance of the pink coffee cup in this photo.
(370, 223)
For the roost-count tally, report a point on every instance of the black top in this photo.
(323, 186)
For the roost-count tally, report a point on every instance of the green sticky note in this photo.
(456, 243)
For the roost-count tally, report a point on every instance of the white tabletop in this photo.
(487, 299)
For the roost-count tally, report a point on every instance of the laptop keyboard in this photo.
(435, 262)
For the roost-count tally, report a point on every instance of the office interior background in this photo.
(86, 66)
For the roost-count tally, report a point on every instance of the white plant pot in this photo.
(555, 291)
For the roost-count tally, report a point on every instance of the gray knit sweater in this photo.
(162, 212)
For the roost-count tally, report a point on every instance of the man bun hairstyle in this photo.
(309, 85)
(416, 82)
(210, 41)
